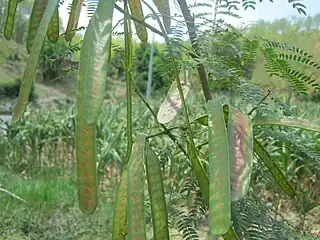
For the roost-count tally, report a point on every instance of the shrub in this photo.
(12, 90)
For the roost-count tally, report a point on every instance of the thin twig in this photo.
(168, 133)
(262, 100)
(140, 21)
(194, 42)
(165, 132)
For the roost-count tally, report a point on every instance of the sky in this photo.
(264, 11)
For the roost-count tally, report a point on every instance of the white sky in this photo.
(265, 10)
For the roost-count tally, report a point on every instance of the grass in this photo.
(52, 211)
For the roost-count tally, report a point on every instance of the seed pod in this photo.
(240, 139)
(73, 19)
(164, 8)
(219, 168)
(11, 13)
(95, 68)
(39, 6)
(288, 121)
(273, 168)
(120, 210)
(86, 163)
(137, 12)
(53, 30)
(157, 198)
(30, 70)
(86, 140)
(136, 218)
(171, 105)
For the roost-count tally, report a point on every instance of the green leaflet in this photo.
(289, 122)
(219, 167)
(8, 28)
(39, 6)
(137, 12)
(136, 218)
(172, 103)
(157, 198)
(53, 30)
(95, 69)
(273, 168)
(240, 138)
(164, 8)
(30, 70)
(120, 210)
(73, 19)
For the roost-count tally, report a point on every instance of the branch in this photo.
(193, 37)
(261, 101)
(166, 130)
(194, 42)
(140, 21)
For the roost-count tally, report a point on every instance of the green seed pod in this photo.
(219, 167)
(157, 198)
(8, 28)
(136, 218)
(73, 19)
(120, 210)
(137, 12)
(95, 69)
(240, 137)
(53, 30)
(32, 62)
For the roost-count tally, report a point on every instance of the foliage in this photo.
(184, 168)
(54, 60)
(12, 90)
(142, 55)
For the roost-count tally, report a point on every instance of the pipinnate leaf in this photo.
(240, 138)
(11, 13)
(30, 70)
(219, 167)
(157, 198)
(171, 105)
(120, 210)
(137, 12)
(95, 69)
(136, 218)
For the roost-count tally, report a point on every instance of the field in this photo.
(38, 166)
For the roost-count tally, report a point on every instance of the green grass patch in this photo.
(51, 212)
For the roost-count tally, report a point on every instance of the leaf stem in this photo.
(261, 101)
(168, 133)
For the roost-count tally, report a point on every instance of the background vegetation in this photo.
(38, 159)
